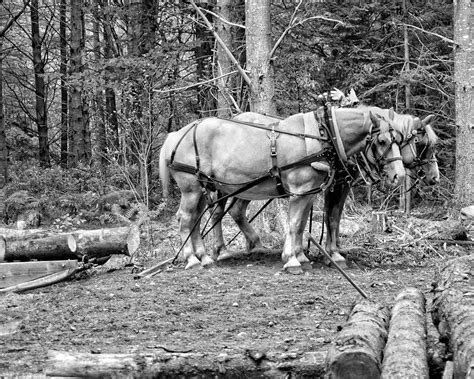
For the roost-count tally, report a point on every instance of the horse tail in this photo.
(164, 171)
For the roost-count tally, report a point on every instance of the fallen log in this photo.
(157, 363)
(47, 245)
(356, 352)
(405, 352)
(453, 311)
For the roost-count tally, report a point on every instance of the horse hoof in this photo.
(302, 258)
(206, 261)
(294, 270)
(341, 264)
(224, 254)
(192, 262)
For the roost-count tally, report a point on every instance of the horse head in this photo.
(419, 150)
(382, 149)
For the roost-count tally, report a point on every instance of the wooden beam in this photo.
(13, 273)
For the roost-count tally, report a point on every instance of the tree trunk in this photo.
(64, 91)
(453, 311)
(405, 352)
(356, 352)
(464, 84)
(203, 57)
(259, 45)
(100, 137)
(112, 129)
(44, 245)
(40, 91)
(224, 63)
(78, 124)
(3, 138)
(168, 364)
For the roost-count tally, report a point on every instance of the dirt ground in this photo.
(243, 303)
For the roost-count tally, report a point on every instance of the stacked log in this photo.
(357, 349)
(453, 312)
(24, 245)
(405, 353)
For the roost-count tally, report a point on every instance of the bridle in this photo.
(420, 158)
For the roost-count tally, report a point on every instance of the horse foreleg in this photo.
(239, 213)
(299, 209)
(333, 205)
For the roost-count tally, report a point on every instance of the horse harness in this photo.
(330, 152)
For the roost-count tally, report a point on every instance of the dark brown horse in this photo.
(241, 160)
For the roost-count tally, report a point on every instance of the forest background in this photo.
(90, 89)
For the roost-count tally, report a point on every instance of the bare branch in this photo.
(224, 47)
(446, 39)
(223, 19)
(13, 19)
(292, 24)
(196, 84)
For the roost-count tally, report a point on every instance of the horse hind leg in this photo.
(188, 217)
(220, 251)
(198, 243)
(239, 214)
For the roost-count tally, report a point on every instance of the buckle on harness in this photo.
(273, 151)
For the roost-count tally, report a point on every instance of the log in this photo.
(156, 363)
(102, 242)
(453, 312)
(22, 245)
(405, 352)
(356, 351)
(13, 273)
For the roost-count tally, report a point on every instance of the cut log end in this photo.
(354, 364)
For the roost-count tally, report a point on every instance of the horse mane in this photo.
(431, 136)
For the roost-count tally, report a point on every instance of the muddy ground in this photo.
(243, 303)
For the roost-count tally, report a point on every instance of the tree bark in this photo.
(259, 45)
(40, 91)
(453, 311)
(64, 90)
(203, 58)
(78, 125)
(186, 364)
(224, 63)
(405, 352)
(464, 100)
(356, 352)
(100, 150)
(3, 138)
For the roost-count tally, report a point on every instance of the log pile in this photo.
(453, 312)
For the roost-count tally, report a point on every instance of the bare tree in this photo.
(464, 82)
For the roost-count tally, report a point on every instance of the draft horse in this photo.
(294, 158)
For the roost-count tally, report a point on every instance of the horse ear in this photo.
(375, 120)
(391, 114)
(416, 123)
(428, 120)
